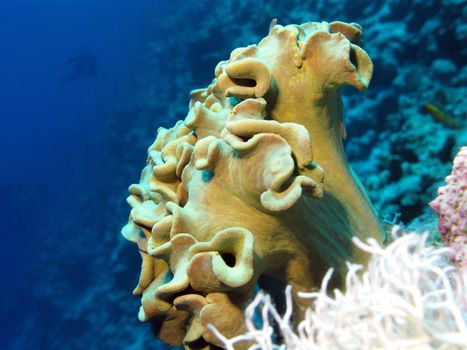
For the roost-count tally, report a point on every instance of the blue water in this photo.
(65, 68)
(84, 86)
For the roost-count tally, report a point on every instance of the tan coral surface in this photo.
(254, 182)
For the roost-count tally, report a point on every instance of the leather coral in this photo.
(254, 182)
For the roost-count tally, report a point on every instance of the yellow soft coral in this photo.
(253, 182)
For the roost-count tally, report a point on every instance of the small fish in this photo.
(81, 64)
(440, 116)
(273, 23)
(343, 131)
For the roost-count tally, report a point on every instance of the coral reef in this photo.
(399, 151)
(393, 151)
(451, 207)
(407, 298)
(253, 182)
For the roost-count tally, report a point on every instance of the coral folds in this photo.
(253, 182)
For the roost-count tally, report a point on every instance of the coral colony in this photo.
(254, 183)
(451, 207)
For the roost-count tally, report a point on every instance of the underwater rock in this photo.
(443, 68)
(254, 182)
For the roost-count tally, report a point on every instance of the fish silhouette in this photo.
(81, 65)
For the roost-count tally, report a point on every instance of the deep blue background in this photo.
(51, 128)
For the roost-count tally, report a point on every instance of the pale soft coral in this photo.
(451, 207)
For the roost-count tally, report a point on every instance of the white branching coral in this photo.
(409, 297)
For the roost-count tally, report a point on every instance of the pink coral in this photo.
(450, 205)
